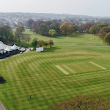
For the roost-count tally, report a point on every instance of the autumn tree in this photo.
(84, 27)
(80, 28)
(40, 42)
(46, 43)
(52, 32)
(48, 22)
(18, 32)
(81, 102)
(107, 38)
(57, 29)
(64, 28)
(50, 41)
(87, 25)
(29, 23)
(102, 33)
(36, 25)
(100, 26)
(70, 29)
(87, 30)
(93, 29)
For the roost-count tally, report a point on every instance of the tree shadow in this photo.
(52, 49)
(59, 37)
(77, 35)
(2, 82)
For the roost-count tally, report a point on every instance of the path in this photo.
(2, 107)
(27, 50)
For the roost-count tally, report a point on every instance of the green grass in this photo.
(80, 39)
(81, 67)
(70, 70)
(35, 73)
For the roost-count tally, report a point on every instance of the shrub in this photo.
(34, 43)
(81, 102)
(1, 79)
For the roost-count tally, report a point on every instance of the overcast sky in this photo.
(79, 7)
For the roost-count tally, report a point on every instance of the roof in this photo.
(1, 42)
(14, 47)
(8, 48)
(2, 46)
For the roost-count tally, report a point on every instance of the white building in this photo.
(39, 49)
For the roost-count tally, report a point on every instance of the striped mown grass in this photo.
(69, 69)
(35, 74)
(84, 67)
(60, 68)
(79, 67)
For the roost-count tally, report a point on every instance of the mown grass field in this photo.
(81, 39)
(82, 67)
(36, 74)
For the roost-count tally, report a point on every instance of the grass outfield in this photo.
(36, 74)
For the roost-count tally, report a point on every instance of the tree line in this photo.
(40, 42)
(8, 36)
(102, 30)
(54, 28)
(51, 28)
(6, 33)
(57, 28)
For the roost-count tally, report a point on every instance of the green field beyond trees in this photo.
(84, 57)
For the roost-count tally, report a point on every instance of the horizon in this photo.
(58, 14)
(73, 7)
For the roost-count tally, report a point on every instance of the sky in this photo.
(74, 7)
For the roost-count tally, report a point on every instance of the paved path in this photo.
(2, 107)
(27, 50)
